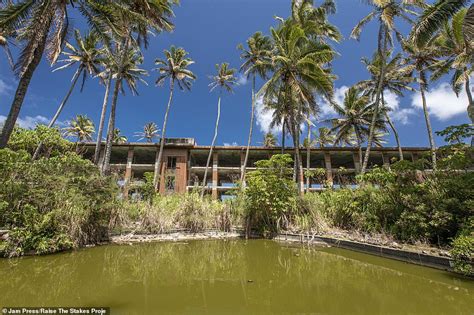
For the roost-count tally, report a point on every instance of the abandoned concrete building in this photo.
(184, 163)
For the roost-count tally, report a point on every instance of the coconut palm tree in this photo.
(397, 79)
(86, 56)
(386, 11)
(324, 137)
(150, 132)
(175, 69)
(269, 140)
(355, 117)
(422, 60)
(80, 127)
(459, 58)
(434, 18)
(300, 71)
(43, 25)
(257, 62)
(106, 79)
(118, 138)
(224, 80)
(125, 69)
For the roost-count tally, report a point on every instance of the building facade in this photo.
(184, 163)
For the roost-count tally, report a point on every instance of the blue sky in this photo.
(210, 31)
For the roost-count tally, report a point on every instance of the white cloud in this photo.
(242, 79)
(5, 88)
(326, 109)
(398, 114)
(233, 144)
(264, 117)
(442, 102)
(27, 122)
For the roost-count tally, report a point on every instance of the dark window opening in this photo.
(171, 162)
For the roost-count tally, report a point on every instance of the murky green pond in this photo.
(223, 277)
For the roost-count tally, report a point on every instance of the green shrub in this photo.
(53, 204)
(270, 195)
(463, 253)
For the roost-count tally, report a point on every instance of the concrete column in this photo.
(215, 174)
(386, 160)
(355, 156)
(128, 172)
(242, 160)
(328, 165)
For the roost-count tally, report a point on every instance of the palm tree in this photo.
(269, 140)
(125, 68)
(422, 60)
(87, 57)
(118, 138)
(398, 77)
(224, 80)
(299, 72)
(257, 61)
(150, 132)
(355, 117)
(436, 16)
(386, 11)
(106, 79)
(175, 69)
(324, 137)
(459, 58)
(80, 127)
(44, 25)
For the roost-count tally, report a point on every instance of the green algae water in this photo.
(229, 277)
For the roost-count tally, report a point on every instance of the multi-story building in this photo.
(184, 163)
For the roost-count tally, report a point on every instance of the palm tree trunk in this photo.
(59, 110)
(359, 144)
(102, 120)
(382, 52)
(23, 85)
(157, 176)
(252, 114)
(395, 133)
(204, 181)
(283, 132)
(296, 144)
(470, 107)
(111, 128)
(427, 119)
(308, 157)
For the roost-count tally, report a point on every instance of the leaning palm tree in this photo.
(355, 117)
(397, 79)
(437, 15)
(175, 69)
(43, 25)
(150, 132)
(118, 138)
(422, 60)
(106, 77)
(125, 67)
(224, 80)
(269, 140)
(257, 61)
(386, 11)
(86, 56)
(81, 127)
(459, 53)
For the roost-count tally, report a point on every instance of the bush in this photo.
(270, 196)
(52, 204)
(463, 253)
